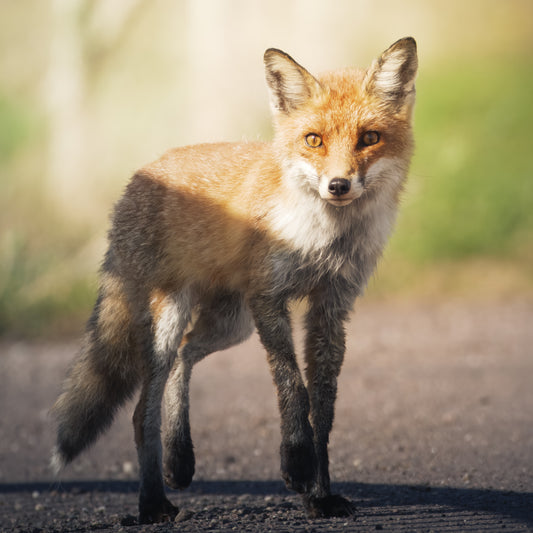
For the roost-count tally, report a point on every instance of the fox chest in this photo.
(346, 260)
(292, 274)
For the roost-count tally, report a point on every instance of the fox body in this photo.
(213, 240)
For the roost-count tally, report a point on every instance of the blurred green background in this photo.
(92, 89)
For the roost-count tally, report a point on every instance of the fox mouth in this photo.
(340, 202)
(346, 199)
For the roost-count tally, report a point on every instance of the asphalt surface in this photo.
(433, 432)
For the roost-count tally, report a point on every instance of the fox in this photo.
(213, 241)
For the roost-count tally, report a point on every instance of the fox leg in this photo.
(324, 352)
(298, 458)
(223, 321)
(170, 315)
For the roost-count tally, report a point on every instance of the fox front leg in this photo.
(324, 352)
(298, 458)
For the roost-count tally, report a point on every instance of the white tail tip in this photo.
(57, 462)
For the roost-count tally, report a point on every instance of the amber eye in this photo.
(370, 138)
(313, 140)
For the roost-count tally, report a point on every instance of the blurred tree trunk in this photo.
(64, 95)
(83, 34)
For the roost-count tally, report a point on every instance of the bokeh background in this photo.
(92, 89)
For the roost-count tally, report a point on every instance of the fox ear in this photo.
(392, 76)
(290, 85)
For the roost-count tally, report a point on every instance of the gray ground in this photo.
(433, 432)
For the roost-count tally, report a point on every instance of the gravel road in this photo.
(433, 432)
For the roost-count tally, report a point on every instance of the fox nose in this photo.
(339, 186)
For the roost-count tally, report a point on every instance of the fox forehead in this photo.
(343, 110)
(344, 91)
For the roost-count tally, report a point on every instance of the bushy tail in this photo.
(103, 377)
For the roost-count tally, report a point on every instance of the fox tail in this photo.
(103, 377)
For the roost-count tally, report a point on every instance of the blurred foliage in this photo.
(472, 186)
(466, 223)
(47, 272)
(38, 297)
(46, 286)
(15, 127)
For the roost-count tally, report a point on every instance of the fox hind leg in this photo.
(170, 316)
(223, 321)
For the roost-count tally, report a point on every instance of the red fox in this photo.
(213, 240)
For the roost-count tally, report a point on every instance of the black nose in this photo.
(339, 186)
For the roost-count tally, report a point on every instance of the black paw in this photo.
(178, 469)
(298, 466)
(329, 506)
(155, 512)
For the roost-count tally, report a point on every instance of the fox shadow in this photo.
(369, 498)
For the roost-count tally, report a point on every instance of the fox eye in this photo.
(313, 140)
(370, 138)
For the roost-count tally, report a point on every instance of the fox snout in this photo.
(340, 191)
(339, 186)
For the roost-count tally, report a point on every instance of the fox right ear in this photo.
(392, 76)
(290, 85)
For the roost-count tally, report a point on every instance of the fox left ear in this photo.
(392, 76)
(289, 83)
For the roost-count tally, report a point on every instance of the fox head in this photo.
(346, 134)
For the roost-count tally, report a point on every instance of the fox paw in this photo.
(156, 512)
(298, 466)
(328, 506)
(178, 469)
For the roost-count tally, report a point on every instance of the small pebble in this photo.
(183, 515)
(127, 467)
(128, 520)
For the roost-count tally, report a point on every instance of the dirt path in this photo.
(433, 432)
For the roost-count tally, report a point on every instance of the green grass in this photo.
(471, 188)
